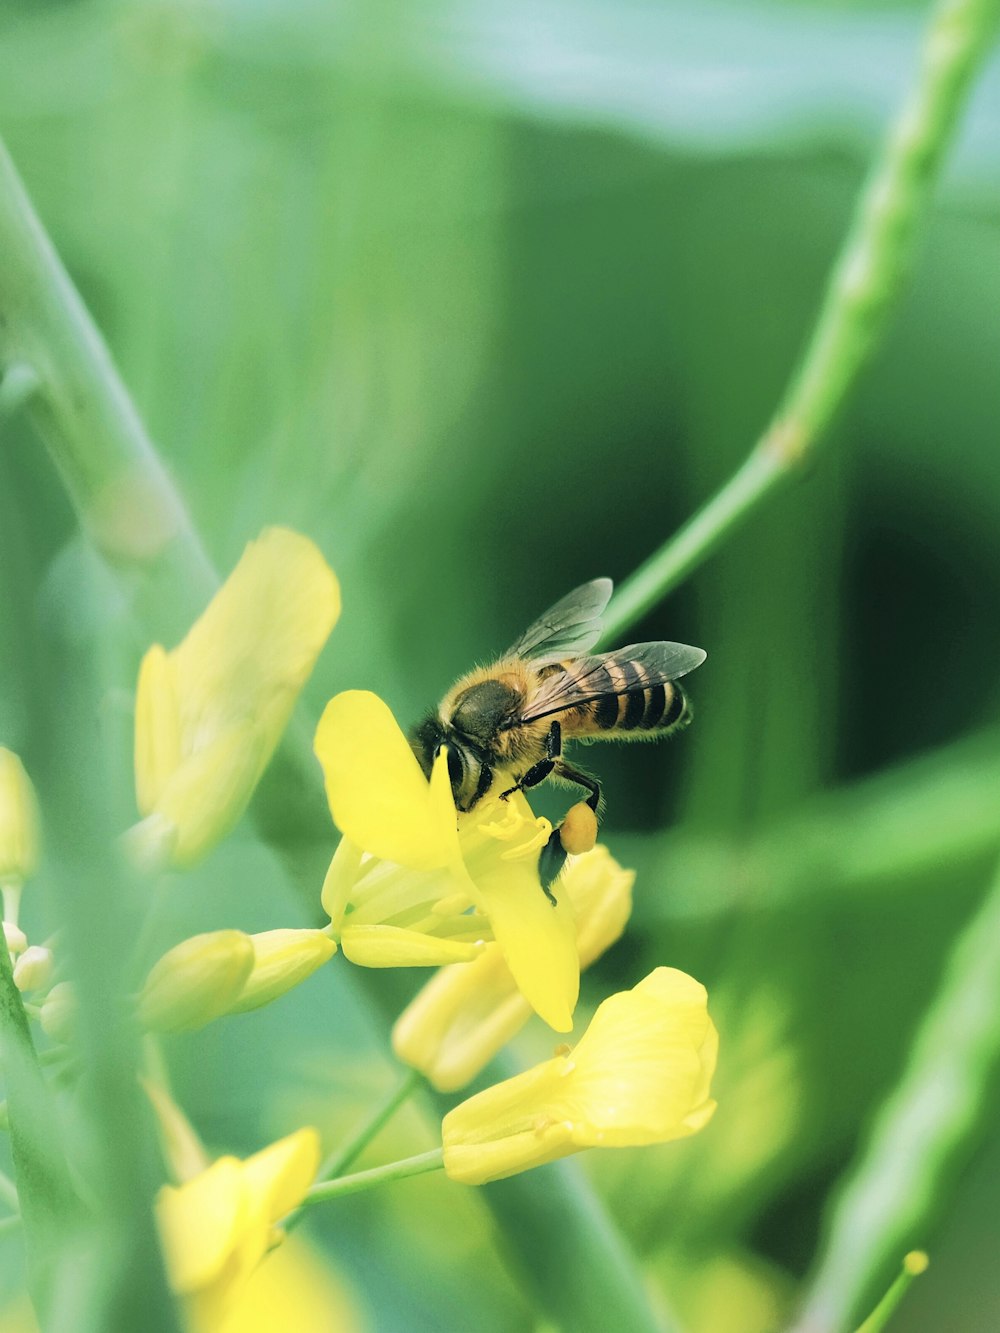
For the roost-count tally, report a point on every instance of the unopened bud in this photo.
(58, 1016)
(33, 968)
(16, 939)
(196, 981)
(18, 820)
(282, 958)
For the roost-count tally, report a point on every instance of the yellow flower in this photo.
(227, 972)
(414, 884)
(216, 1228)
(468, 1012)
(18, 821)
(640, 1074)
(210, 713)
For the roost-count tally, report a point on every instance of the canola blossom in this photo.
(216, 1227)
(640, 1074)
(415, 883)
(210, 713)
(468, 1012)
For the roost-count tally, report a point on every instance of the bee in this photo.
(507, 723)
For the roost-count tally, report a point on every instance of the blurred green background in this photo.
(486, 297)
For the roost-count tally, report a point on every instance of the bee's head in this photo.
(426, 741)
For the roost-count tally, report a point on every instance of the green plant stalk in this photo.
(919, 1130)
(50, 1209)
(863, 289)
(378, 1175)
(93, 433)
(348, 1153)
(913, 1265)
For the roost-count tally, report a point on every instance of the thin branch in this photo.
(862, 292)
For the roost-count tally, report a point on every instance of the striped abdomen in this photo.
(634, 705)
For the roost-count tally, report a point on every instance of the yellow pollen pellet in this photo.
(578, 831)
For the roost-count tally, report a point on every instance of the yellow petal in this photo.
(157, 728)
(643, 1067)
(210, 713)
(253, 649)
(639, 1075)
(378, 795)
(199, 1224)
(208, 792)
(460, 1020)
(282, 959)
(345, 866)
(18, 820)
(601, 894)
(506, 1128)
(538, 939)
(196, 981)
(395, 946)
(282, 1172)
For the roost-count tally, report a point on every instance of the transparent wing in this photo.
(594, 677)
(570, 627)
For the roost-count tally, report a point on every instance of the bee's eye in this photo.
(456, 767)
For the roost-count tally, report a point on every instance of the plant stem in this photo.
(378, 1175)
(862, 291)
(914, 1264)
(919, 1128)
(341, 1158)
(44, 1192)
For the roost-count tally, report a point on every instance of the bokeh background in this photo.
(486, 296)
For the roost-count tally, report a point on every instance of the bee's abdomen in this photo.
(633, 704)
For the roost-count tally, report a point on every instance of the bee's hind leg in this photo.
(567, 773)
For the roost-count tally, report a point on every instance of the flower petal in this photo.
(643, 1067)
(378, 795)
(395, 946)
(199, 1224)
(249, 654)
(460, 1020)
(157, 728)
(538, 939)
(282, 1172)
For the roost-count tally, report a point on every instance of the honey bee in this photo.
(508, 723)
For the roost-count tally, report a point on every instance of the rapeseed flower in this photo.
(216, 1227)
(468, 1012)
(640, 1074)
(413, 883)
(209, 714)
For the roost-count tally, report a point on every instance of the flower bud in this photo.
(282, 958)
(16, 939)
(18, 820)
(34, 968)
(58, 1016)
(196, 981)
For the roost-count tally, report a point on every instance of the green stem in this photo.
(378, 1175)
(863, 289)
(10, 1224)
(343, 1157)
(919, 1129)
(44, 1192)
(914, 1264)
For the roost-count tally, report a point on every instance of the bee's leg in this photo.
(539, 772)
(482, 787)
(567, 773)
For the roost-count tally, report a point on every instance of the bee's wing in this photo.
(570, 627)
(589, 679)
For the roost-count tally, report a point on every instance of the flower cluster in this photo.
(411, 883)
